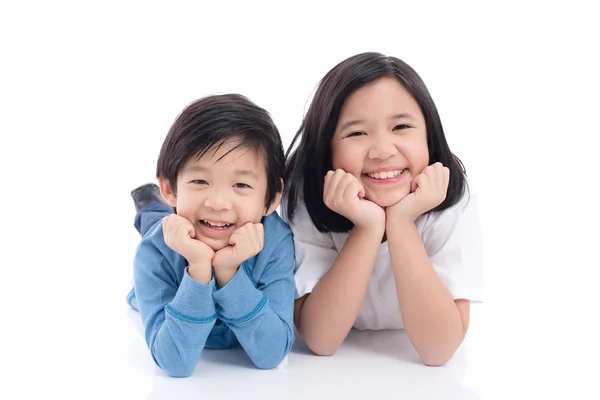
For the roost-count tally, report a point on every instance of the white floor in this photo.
(369, 364)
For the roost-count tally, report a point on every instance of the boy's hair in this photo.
(214, 120)
(310, 161)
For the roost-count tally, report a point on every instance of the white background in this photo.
(89, 90)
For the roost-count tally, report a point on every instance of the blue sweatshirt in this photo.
(182, 316)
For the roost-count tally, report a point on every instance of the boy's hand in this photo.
(245, 242)
(179, 234)
(344, 194)
(428, 190)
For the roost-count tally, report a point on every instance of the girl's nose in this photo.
(382, 148)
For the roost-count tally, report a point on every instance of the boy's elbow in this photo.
(179, 373)
(177, 370)
(266, 363)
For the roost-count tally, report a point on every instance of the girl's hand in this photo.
(344, 194)
(428, 190)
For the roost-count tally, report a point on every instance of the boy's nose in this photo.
(218, 203)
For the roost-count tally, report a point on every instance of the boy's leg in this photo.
(149, 215)
(150, 207)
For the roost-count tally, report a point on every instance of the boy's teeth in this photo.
(386, 174)
(215, 224)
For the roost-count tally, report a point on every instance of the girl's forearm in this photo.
(431, 317)
(329, 312)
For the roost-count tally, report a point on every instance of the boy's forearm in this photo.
(330, 311)
(176, 332)
(223, 277)
(431, 318)
(261, 321)
(178, 354)
(265, 336)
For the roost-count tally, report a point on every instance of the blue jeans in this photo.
(149, 215)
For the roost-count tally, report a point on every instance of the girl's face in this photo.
(381, 139)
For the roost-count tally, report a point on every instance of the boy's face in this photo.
(220, 192)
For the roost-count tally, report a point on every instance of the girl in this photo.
(386, 231)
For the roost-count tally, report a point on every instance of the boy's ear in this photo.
(166, 191)
(275, 202)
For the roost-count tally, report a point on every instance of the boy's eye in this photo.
(200, 182)
(401, 127)
(355, 134)
(242, 186)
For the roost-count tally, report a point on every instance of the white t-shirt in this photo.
(452, 239)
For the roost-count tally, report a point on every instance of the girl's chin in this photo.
(385, 201)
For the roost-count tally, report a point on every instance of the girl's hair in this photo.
(309, 162)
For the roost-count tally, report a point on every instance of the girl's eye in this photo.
(242, 186)
(401, 127)
(355, 134)
(199, 182)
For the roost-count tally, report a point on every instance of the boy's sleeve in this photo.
(262, 317)
(177, 320)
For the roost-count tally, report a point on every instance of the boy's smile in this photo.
(221, 191)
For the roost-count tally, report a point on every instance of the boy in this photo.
(220, 269)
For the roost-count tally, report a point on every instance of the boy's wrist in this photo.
(224, 276)
(200, 271)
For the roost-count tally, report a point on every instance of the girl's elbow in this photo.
(322, 349)
(436, 359)
(435, 362)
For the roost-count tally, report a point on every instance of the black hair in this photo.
(210, 122)
(311, 159)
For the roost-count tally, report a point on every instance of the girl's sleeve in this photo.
(453, 240)
(315, 252)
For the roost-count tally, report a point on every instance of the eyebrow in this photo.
(359, 121)
(237, 172)
(246, 172)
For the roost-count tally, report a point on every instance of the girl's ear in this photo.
(275, 203)
(167, 191)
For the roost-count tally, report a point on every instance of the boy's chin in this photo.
(215, 244)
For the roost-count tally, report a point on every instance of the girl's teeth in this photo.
(385, 175)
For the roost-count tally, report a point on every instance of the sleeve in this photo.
(176, 320)
(315, 252)
(455, 247)
(261, 316)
